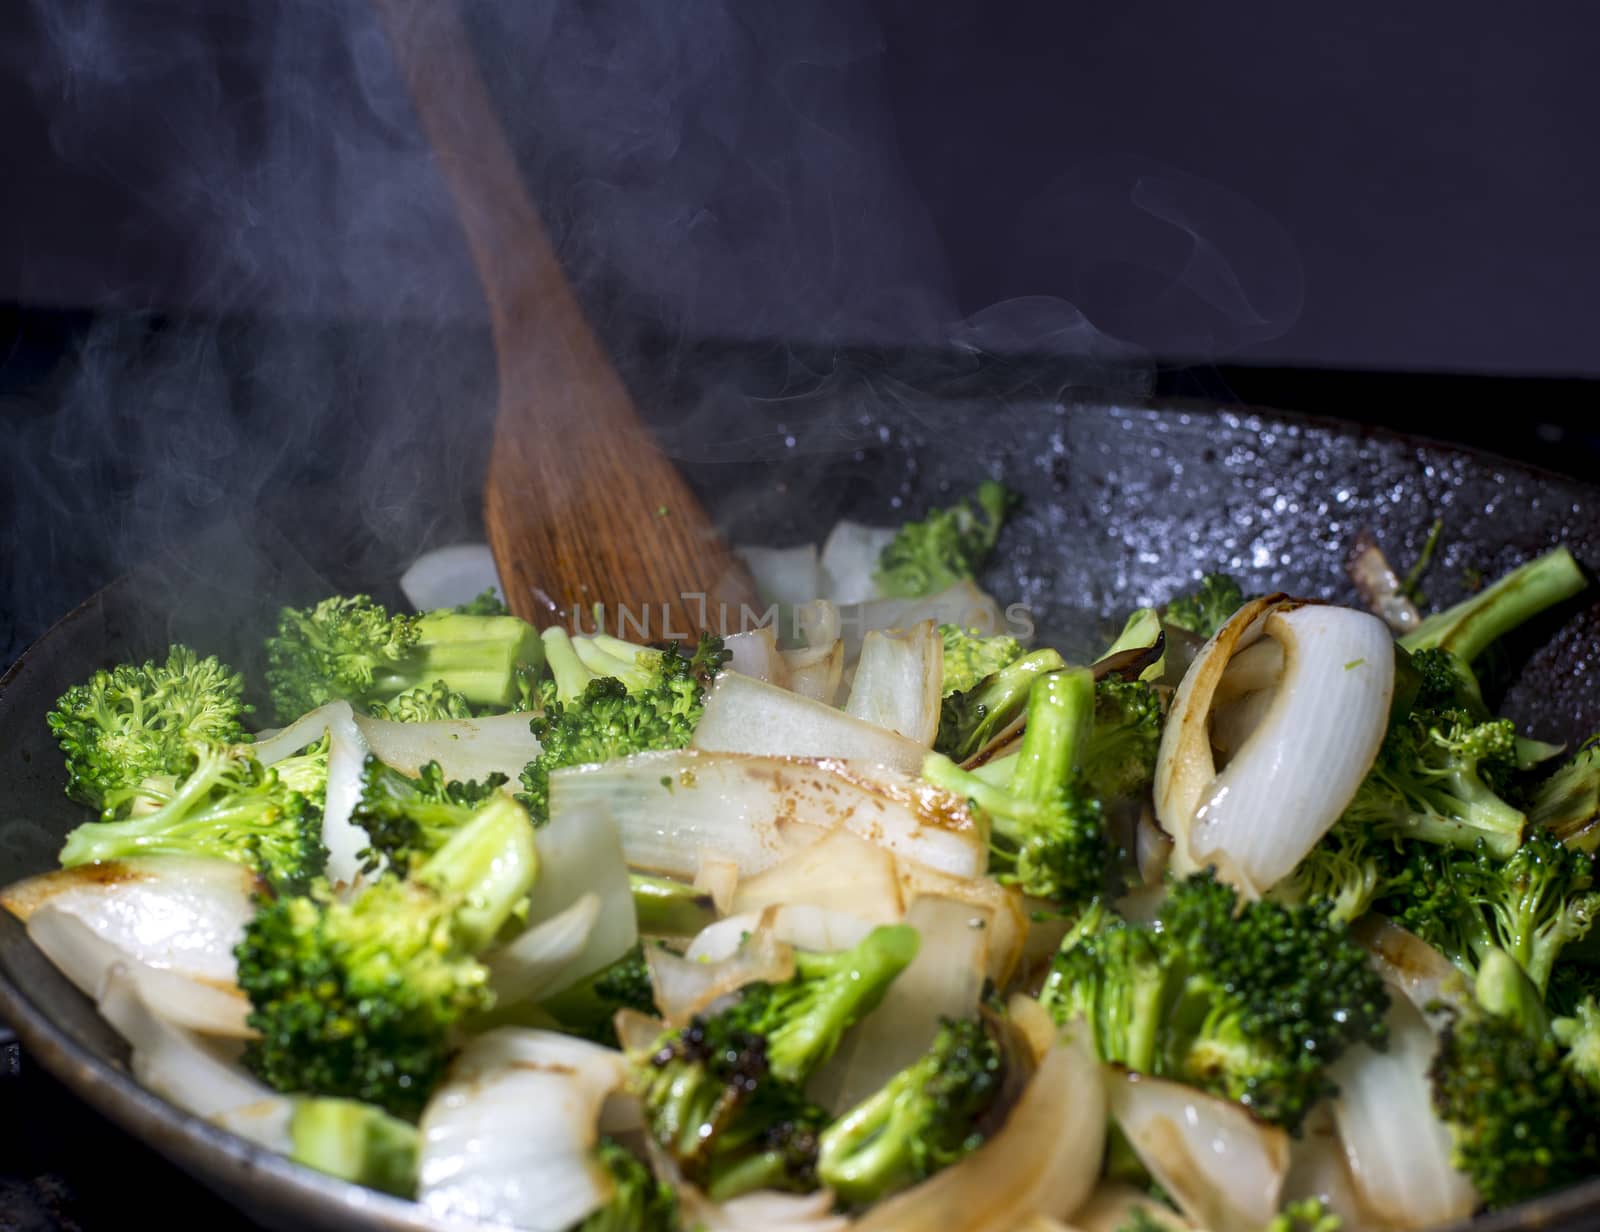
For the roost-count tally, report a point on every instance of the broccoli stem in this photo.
(491, 862)
(1060, 718)
(571, 676)
(969, 720)
(1504, 989)
(668, 908)
(476, 656)
(355, 1142)
(1468, 628)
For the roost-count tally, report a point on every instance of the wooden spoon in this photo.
(580, 504)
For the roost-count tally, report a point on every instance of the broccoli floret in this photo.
(1141, 1220)
(639, 1202)
(427, 703)
(589, 1007)
(1521, 1122)
(1249, 1001)
(1579, 1034)
(229, 807)
(969, 656)
(408, 819)
(1571, 983)
(1470, 904)
(1441, 681)
(1119, 760)
(1306, 1215)
(1047, 830)
(356, 998)
(968, 721)
(1342, 870)
(355, 1142)
(723, 1096)
(1468, 628)
(1208, 608)
(948, 546)
(352, 648)
(139, 722)
(307, 771)
(653, 702)
(486, 603)
(1567, 804)
(1437, 778)
(667, 908)
(927, 1117)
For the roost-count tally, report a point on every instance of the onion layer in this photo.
(899, 682)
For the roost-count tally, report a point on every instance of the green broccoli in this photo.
(1439, 680)
(1047, 831)
(1119, 760)
(668, 908)
(1207, 609)
(1571, 983)
(1579, 1034)
(969, 720)
(589, 1007)
(143, 722)
(1306, 1215)
(639, 1202)
(427, 703)
(485, 603)
(408, 819)
(352, 648)
(355, 1142)
(724, 1095)
(1468, 628)
(1521, 1121)
(357, 998)
(969, 656)
(229, 807)
(1567, 804)
(307, 771)
(948, 546)
(1468, 905)
(926, 1117)
(1249, 1001)
(653, 702)
(1342, 870)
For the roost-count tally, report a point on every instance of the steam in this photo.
(291, 330)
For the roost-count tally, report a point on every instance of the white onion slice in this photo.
(784, 575)
(762, 1211)
(841, 872)
(1111, 1208)
(756, 654)
(86, 959)
(747, 716)
(1318, 1170)
(347, 751)
(1300, 766)
(816, 673)
(686, 986)
(1008, 930)
(509, 1137)
(1224, 1169)
(1256, 667)
(449, 577)
(718, 876)
(805, 927)
(580, 853)
(899, 682)
(850, 561)
(526, 969)
(1042, 1161)
(1398, 1149)
(266, 1123)
(198, 1077)
(670, 806)
(944, 980)
(963, 605)
(1411, 966)
(180, 913)
(637, 1032)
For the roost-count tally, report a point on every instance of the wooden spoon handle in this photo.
(580, 504)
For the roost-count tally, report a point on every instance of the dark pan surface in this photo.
(1124, 506)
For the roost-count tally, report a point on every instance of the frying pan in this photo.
(1124, 504)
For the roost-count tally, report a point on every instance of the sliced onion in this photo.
(756, 654)
(580, 853)
(1223, 1168)
(816, 673)
(449, 577)
(636, 1032)
(841, 872)
(347, 752)
(747, 716)
(1233, 724)
(1410, 965)
(1299, 768)
(1112, 1207)
(1398, 1149)
(762, 1211)
(784, 575)
(671, 806)
(818, 929)
(1042, 1161)
(1379, 586)
(1317, 1170)
(1256, 667)
(86, 959)
(850, 561)
(526, 969)
(464, 748)
(818, 623)
(899, 681)
(718, 876)
(963, 605)
(1152, 848)
(509, 1138)
(197, 1076)
(685, 987)
(944, 980)
(266, 1123)
(1008, 932)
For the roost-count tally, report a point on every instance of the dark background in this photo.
(231, 285)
